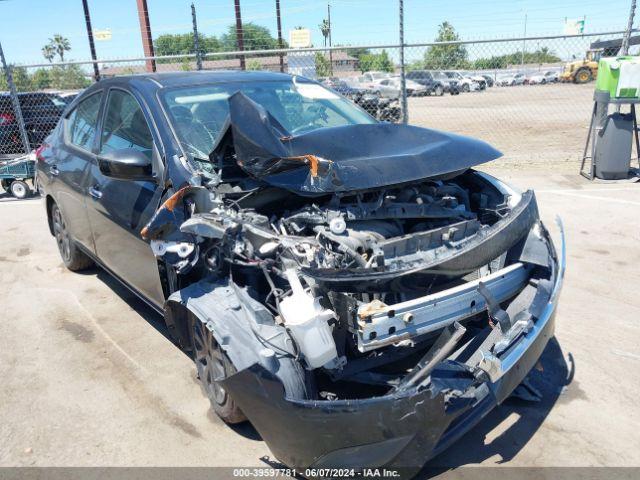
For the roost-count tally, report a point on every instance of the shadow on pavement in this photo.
(511, 425)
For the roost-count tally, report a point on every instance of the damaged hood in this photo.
(344, 158)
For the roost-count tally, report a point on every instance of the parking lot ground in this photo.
(529, 123)
(89, 378)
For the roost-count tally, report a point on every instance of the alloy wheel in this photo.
(209, 362)
(61, 234)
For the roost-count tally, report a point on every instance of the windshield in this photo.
(198, 113)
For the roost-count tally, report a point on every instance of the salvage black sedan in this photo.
(354, 289)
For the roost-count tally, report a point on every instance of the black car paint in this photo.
(417, 425)
(359, 154)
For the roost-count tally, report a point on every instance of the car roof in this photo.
(180, 79)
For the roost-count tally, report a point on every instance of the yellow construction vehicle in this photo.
(583, 71)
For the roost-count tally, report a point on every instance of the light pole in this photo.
(92, 46)
(239, 37)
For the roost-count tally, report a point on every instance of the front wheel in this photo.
(583, 76)
(19, 189)
(211, 364)
(465, 87)
(439, 91)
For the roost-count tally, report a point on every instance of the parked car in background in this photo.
(387, 88)
(427, 79)
(479, 79)
(450, 85)
(414, 89)
(465, 84)
(371, 79)
(489, 79)
(40, 112)
(547, 77)
(512, 80)
(385, 109)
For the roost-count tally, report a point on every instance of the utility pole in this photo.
(330, 51)
(624, 48)
(403, 81)
(196, 40)
(240, 40)
(279, 35)
(145, 31)
(92, 46)
(524, 41)
(16, 103)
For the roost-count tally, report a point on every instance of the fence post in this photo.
(196, 40)
(16, 103)
(403, 81)
(624, 49)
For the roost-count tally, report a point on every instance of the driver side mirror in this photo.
(125, 164)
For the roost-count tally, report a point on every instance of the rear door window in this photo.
(81, 124)
(125, 125)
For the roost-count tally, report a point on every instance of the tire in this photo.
(583, 76)
(19, 189)
(4, 183)
(211, 362)
(465, 87)
(74, 259)
(438, 91)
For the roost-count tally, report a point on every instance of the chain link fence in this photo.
(529, 97)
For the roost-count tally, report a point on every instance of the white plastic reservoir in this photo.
(307, 321)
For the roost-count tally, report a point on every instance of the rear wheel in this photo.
(439, 91)
(74, 259)
(212, 363)
(19, 189)
(583, 75)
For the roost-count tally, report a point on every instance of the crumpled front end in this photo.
(430, 407)
(366, 317)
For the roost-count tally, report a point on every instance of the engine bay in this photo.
(361, 284)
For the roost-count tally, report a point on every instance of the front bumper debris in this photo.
(405, 428)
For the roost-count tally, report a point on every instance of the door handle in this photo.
(54, 170)
(95, 192)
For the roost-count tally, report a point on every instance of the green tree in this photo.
(376, 62)
(40, 79)
(59, 45)
(542, 55)
(325, 29)
(253, 64)
(48, 52)
(65, 77)
(446, 56)
(183, 43)
(323, 67)
(21, 79)
(255, 37)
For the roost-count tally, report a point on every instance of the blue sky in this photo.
(25, 25)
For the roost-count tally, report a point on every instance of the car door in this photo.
(68, 168)
(119, 208)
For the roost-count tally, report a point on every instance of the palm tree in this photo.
(324, 28)
(60, 44)
(48, 52)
